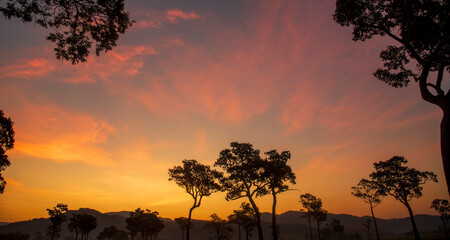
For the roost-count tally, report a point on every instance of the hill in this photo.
(292, 226)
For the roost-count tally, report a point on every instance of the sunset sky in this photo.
(187, 79)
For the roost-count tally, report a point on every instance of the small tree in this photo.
(150, 225)
(277, 172)
(366, 224)
(74, 224)
(244, 176)
(183, 224)
(337, 227)
(77, 24)
(420, 29)
(6, 143)
(219, 227)
(57, 217)
(401, 182)
(442, 206)
(134, 222)
(320, 215)
(368, 191)
(87, 223)
(112, 233)
(198, 180)
(310, 204)
(244, 217)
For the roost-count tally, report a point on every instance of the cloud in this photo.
(27, 69)
(62, 135)
(174, 15)
(154, 18)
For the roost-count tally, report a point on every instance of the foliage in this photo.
(368, 192)
(312, 207)
(112, 233)
(442, 206)
(337, 226)
(6, 143)
(147, 223)
(198, 180)
(244, 217)
(87, 223)
(421, 30)
(399, 181)
(76, 24)
(219, 227)
(57, 217)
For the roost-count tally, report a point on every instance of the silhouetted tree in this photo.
(219, 227)
(6, 143)
(368, 191)
(310, 204)
(421, 31)
(442, 206)
(150, 225)
(366, 224)
(198, 180)
(76, 24)
(320, 215)
(337, 227)
(112, 233)
(133, 222)
(74, 224)
(183, 224)
(57, 217)
(245, 176)
(401, 182)
(277, 172)
(244, 217)
(87, 223)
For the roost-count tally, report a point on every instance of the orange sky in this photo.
(185, 81)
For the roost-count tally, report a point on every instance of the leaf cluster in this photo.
(147, 223)
(76, 24)
(368, 191)
(421, 28)
(443, 207)
(6, 143)
(393, 178)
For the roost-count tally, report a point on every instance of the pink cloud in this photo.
(28, 69)
(173, 15)
(153, 18)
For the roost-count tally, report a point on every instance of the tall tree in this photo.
(198, 180)
(219, 227)
(244, 217)
(150, 225)
(77, 25)
(133, 222)
(442, 206)
(368, 191)
(310, 204)
(183, 224)
(6, 143)
(401, 182)
(421, 30)
(366, 224)
(277, 172)
(244, 176)
(57, 217)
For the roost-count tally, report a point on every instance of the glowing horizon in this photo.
(185, 81)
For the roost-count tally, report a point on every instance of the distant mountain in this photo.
(292, 226)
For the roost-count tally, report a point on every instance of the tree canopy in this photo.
(76, 25)
(198, 180)
(57, 217)
(421, 31)
(443, 208)
(6, 143)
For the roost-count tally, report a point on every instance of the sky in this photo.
(186, 80)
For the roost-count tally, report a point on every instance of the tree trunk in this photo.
(374, 223)
(368, 231)
(445, 144)
(258, 218)
(239, 230)
(310, 228)
(318, 230)
(182, 234)
(189, 222)
(274, 216)
(445, 227)
(413, 222)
